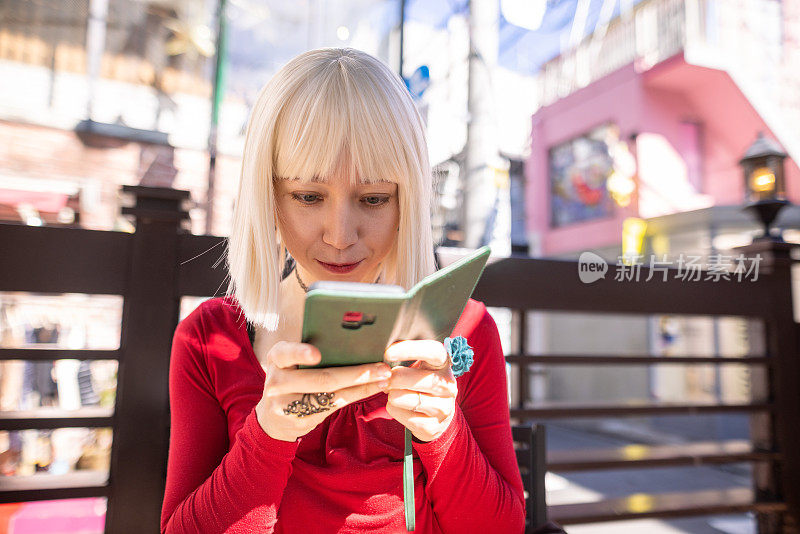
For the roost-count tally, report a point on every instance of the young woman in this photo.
(335, 183)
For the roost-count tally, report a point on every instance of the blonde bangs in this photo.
(336, 114)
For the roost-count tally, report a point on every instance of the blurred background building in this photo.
(554, 127)
(636, 145)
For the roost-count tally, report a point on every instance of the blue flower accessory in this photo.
(460, 354)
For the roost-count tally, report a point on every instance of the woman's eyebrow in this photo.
(319, 180)
(315, 179)
(372, 182)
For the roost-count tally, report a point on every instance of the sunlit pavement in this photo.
(596, 485)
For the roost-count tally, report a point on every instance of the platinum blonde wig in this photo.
(319, 104)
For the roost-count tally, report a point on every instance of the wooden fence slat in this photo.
(57, 354)
(555, 410)
(63, 260)
(553, 285)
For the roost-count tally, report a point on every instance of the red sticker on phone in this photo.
(353, 317)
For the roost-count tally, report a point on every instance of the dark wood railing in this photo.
(525, 284)
(162, 262)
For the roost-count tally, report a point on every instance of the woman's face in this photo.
(336, 231)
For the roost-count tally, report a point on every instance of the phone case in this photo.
(353, 323)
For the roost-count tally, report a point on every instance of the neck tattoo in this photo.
(297, 274)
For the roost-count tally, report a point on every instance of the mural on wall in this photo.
(579, 170)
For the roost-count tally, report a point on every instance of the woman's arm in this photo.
(207, 489)
(473, 479)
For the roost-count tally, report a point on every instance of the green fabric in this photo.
(408, 483)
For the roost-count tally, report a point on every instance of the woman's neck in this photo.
(292, 300)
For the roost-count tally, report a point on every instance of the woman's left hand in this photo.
(421, 397)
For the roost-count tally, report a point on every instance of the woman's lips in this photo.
(339, 269)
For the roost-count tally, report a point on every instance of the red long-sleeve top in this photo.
(225, 474)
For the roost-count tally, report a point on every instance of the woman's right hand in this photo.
(285, 384)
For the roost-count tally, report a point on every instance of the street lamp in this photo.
(765, 191)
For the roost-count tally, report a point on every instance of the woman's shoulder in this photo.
(478, 327)
(224, 305)
(212, 317)
(214, 314)
(215, 331)
(474, 321)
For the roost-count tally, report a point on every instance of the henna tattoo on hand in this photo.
(305, 406)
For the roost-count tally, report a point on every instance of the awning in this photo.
(42, 201)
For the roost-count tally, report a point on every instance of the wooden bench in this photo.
(529, 445)
(662, 505)
(638, 456)
(665, 505)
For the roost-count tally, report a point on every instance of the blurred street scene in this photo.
(555, 127)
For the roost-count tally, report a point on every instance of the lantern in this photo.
(765, 190)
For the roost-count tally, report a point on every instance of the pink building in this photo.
(675, 128)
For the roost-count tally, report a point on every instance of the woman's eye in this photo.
(375, 201)
(305, 198)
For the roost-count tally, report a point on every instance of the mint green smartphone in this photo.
(353, 323)
(349, 322)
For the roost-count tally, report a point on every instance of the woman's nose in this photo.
(341, 227)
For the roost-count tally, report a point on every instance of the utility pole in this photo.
(481, 146)
(216, 102)
(402, 31)
(95, 44)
